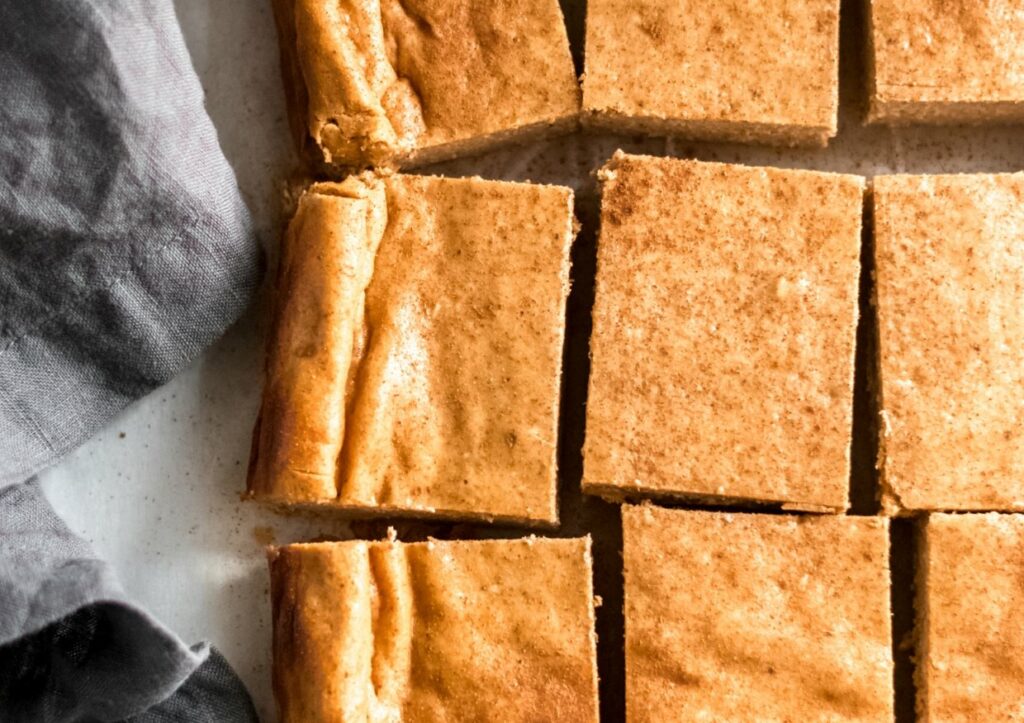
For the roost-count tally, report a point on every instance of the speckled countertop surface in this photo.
(157, 492)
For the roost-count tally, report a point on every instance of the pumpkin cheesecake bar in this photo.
(756, 617)
(414, 366)
(496, 630)
(970, 617)
(402, 82)
(933, 61)
(723, 334)
(750, 71)
(949, 268)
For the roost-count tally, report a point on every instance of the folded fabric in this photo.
(73, 647)
(125, 249)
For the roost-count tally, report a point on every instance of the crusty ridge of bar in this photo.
(316, 340)
(347, 104)
(356, 659)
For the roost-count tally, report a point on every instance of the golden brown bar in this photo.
(415, 363)
(756, 617)
(497, 630)
(946, 61)
(401, 82)
(765, 72)
(949, 268)
(723, 333)
(970, 618)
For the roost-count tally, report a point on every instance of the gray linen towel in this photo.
(125, 249)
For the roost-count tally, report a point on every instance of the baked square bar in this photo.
(723, 333)
(970, 618)
(763, 71)
(946, 61)
(415, 362)
(497, 630)
(756, 617)
(400, 82)
(949, 276)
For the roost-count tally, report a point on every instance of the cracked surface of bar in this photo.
(749, 71)
(495, 630)
(949, 270)
(397, 82)
(935, 61)
(414, 365)
(723, 341)
(970, 617)
(756, 617)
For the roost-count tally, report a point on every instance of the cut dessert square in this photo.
(397, 82)
(497, 630)
(756, 617)
(415, 362)
(935, 61)
(970, 618)
(949, 269)
(723, 333)
(751, 70)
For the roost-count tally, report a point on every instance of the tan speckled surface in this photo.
(738, 70)
(949, 267)
(498, 630)
(946, 60)
(724, 324)
(383, 82)
(971, 618)
(415, 364)
(756, 617)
